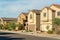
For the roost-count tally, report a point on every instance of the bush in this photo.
(28, 30)
(1, 25)
(11, 26)
(57, 32)
(21, 27)
(50, 32)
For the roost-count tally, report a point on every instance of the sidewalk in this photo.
(34, 34)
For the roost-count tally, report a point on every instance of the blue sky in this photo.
(12, 8)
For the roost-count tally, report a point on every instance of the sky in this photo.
(12, 8)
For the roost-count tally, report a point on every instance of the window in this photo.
(30, 16)
(58, 13)
(44, 14)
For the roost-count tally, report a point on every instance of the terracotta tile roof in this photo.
(48, 8)
(57, 5)
(36, 11)
(23, 13)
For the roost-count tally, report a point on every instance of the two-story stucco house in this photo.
(40, 20)
(47, 14)
(34, 20)
(56, 7)
(22, 18)
(46, 17)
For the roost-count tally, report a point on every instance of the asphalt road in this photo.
(13, 36)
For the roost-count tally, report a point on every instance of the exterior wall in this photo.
(31, 27)
(46, 21)
(42, 17)
(56, 12)
(32, 22)
(1, 21)
(56, 9)
(44, 27)
(21, 18)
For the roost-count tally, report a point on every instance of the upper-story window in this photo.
(44, 14)
(30, 16)
(58, 13)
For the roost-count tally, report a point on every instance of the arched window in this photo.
(30, 16)
(44, 14)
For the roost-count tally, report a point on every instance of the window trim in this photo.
(30, 16)
(44, 14)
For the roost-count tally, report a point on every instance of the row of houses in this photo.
(5, 20)
(38, 20)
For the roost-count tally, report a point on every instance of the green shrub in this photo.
(21, 27)
(57, 32)
(28, 30)
(11, 26)
(50, 32)
(1, 25)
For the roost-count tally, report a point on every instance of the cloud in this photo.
(15, 6)
(11, 8)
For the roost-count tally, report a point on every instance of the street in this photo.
(14, 36)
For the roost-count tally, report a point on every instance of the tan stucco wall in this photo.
(46, 21)
(21, 17)
(44, 27)
(32, 22)
(42, 17)
(50, 16)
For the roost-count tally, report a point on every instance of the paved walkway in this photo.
(34, 34)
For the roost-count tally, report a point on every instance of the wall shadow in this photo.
(6, 33)
(9, 38)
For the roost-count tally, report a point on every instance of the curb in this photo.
(33, 34)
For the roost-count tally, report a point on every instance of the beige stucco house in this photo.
(22, 18)
(40, 20)
(56, 7)
(47, 14)
(34, 20)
